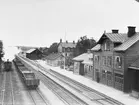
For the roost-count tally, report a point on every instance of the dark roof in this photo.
(122, 38)
(69, 44)
(117, 37)
(114, 37)
(53, 56)
(128, 43)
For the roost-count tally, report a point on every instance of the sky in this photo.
(43, 22)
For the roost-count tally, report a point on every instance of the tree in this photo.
(83, 44)
(1, 50)
(53, 48)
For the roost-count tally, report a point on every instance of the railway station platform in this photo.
(109, 91)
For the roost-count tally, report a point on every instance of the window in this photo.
(104, 60)
(66, 54)
(68, 49)
(109, 61)
(118, 61)
(107, 46)
(96, 58)
(63, 49)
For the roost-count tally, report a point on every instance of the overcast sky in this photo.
(42, 22)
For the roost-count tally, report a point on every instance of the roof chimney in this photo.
(60, 40)
(115, 31)
(131, 31)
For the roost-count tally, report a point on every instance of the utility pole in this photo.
(65, 50)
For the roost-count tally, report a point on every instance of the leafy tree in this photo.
(83, 44)
(53, 48)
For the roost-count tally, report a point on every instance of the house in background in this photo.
(34, 54)
(67, 49)
(113, 55)
(54, 59)
(83, 64)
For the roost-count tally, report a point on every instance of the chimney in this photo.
(60, 40)
(114, 31)
(73, 42)
(66, 41)
(131, 31)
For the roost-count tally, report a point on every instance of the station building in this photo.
(114, 57)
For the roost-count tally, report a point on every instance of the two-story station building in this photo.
(113, 56)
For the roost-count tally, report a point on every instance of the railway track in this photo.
(64, 95)
(86, 91)
(7, 91)
(90, 93)
(37, 97)
(67, 97)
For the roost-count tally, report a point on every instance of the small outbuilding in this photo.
(34, 54)
(83, 64)
(54, 59)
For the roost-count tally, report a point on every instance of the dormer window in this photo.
(107, 46)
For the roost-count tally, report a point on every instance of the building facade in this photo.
(34, 54)
(83, 64)
(113, 54)
(67, 49)
(54, 59)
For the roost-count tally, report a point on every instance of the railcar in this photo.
(27, 75)
(7, 66)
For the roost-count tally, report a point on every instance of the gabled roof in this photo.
(83, 57)
(96, 48)
(53, 56)
(87, 62)
(31, 50)
(128, 43)
(122, 38)
(69, 44)
(117, 37)
(114, 37)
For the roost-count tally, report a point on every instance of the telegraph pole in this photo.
(65, 50)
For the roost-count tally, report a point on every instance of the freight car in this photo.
(27, 75)
(7, 65)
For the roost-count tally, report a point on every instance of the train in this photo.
(7, 65)
(27, 75)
